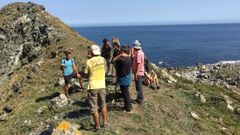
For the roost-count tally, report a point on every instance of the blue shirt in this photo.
(125, 80)
(68, 66)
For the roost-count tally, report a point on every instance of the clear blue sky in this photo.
(117, 12)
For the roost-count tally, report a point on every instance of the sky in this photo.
(140, 12)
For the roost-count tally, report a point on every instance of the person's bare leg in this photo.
(110, 68)
(157, 82)
(96, 119)
(66, 90)
(104, 115)
(81, 82)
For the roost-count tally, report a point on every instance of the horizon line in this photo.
(148, 24)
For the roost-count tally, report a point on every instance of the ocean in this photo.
(176, 45)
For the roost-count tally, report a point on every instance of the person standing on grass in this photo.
(116, 52)
(138, 70)
(106, 52)
(123, 70)
(95, 70)
(116, 46)
(68, 65)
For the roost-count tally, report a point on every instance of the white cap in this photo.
(95, 49)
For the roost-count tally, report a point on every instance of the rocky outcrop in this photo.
(227, 75)
(58, 102)
(23, 36)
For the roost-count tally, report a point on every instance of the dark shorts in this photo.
(96, 99)
(69, 77)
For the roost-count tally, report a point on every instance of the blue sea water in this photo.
(176, 45)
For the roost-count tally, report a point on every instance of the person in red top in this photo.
(138, 70)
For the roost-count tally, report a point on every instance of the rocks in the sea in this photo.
(58, 102)
(200, 97)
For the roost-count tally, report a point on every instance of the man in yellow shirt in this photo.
(96, 69)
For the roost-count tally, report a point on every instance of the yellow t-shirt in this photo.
(95, 68)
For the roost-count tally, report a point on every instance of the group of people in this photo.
(122, 62)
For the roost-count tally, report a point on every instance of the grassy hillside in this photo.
(26, 95)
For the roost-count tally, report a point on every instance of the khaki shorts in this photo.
(96, 99)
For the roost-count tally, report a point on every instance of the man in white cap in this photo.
(138, 70)
(95, 70)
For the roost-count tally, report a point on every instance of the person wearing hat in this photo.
(138, 70)
(68, 65)
(95, 70)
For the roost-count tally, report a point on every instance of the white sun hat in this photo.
(95, 49)
(137, 44)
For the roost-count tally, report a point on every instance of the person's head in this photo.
(89, 51)
(94, 50)
(137, 45)
(146, 61)
(125, 49)
(116, 43)
(68, 54)
(105, 41)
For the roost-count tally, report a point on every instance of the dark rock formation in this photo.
(23, 36)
